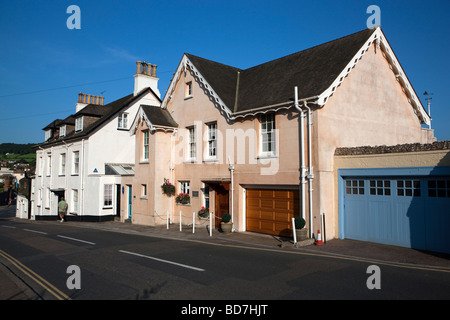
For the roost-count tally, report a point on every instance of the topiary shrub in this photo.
(299, 223)
(226, 217)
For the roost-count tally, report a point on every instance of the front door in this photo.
(130, 198)
(221, 203)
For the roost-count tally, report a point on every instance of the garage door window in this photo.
(380, 187)
(408, 188)
(354, 186)
(439, 188)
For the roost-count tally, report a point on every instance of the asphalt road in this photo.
(118, 266)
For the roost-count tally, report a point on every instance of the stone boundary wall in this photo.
(409, 147)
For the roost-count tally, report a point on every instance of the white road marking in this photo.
(74, 239)
(161, 260)
(35, 231)
(11, 227)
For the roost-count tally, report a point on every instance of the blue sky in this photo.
(44, 65)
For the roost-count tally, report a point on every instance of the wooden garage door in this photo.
(271, 211)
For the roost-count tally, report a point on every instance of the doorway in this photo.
(222, 201)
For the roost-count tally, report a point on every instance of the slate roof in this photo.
(158, 116)
(312, 70)
(103, 112)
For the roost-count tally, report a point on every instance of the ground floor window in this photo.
(107, 195)
(74, 200)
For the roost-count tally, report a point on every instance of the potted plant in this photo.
(203, 213)
(300, 231)
(183, 198)
(226, 225)
(168, 188)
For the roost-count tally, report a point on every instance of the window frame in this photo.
(192, 146)
(211, 141)
(75, 162)
(107, 195)
(122, 121)
(145, 145)
(79, 124)
(270, 134)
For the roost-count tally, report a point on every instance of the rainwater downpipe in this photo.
(310, 175)
(302, 152)
(231, 168)
(172, 173)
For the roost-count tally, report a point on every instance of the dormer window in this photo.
(188, 90)
(62, 131)
(79, 124)
(48, 134)
(122, 121)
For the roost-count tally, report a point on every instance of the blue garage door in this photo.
(411, 212)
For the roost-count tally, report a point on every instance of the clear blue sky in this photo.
(44, 65)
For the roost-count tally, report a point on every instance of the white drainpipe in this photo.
(310, 175)
(302, 152)
(231, 168)
(172, 172)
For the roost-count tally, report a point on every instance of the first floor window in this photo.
(74, 200)
(145, 145)
(212, 140)
(107, 195)
(268, 133)
(62, 164)
(76, 162)
(192, 143)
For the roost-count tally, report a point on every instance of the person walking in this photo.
(62, 208)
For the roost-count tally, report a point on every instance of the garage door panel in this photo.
(404, 211)
(275, 207)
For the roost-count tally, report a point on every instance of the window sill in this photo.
(188, 97)
(213, 160)
(143, 198)
(267, 156)
(183, 204)
(144, 162)
(190, 161)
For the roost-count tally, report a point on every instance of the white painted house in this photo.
(84, 156)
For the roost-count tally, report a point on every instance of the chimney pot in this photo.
(138, 63)
(80, 97)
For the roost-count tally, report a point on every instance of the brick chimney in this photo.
(85, 99)
(145, 77)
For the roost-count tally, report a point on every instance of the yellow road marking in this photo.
(35, 277)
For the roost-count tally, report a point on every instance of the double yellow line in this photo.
(58, 294)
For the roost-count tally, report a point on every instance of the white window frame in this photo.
(47, 198)
(41, 166)
(76, 162)
(62, 131)
(107, 195)
(74, 200)
(122, 121)
(192, 149)
(185, 187)
(48, 134)
(267, 135)
(49, 165)
(145, 145)
(79, 124)
(188, 90)
(212, 141)
(62, 164)
(143, 191)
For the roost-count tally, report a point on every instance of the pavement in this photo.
(13, 288)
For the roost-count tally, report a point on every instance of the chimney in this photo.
(85, 99)
(145, 77)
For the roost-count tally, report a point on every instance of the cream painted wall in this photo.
(369, 108)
